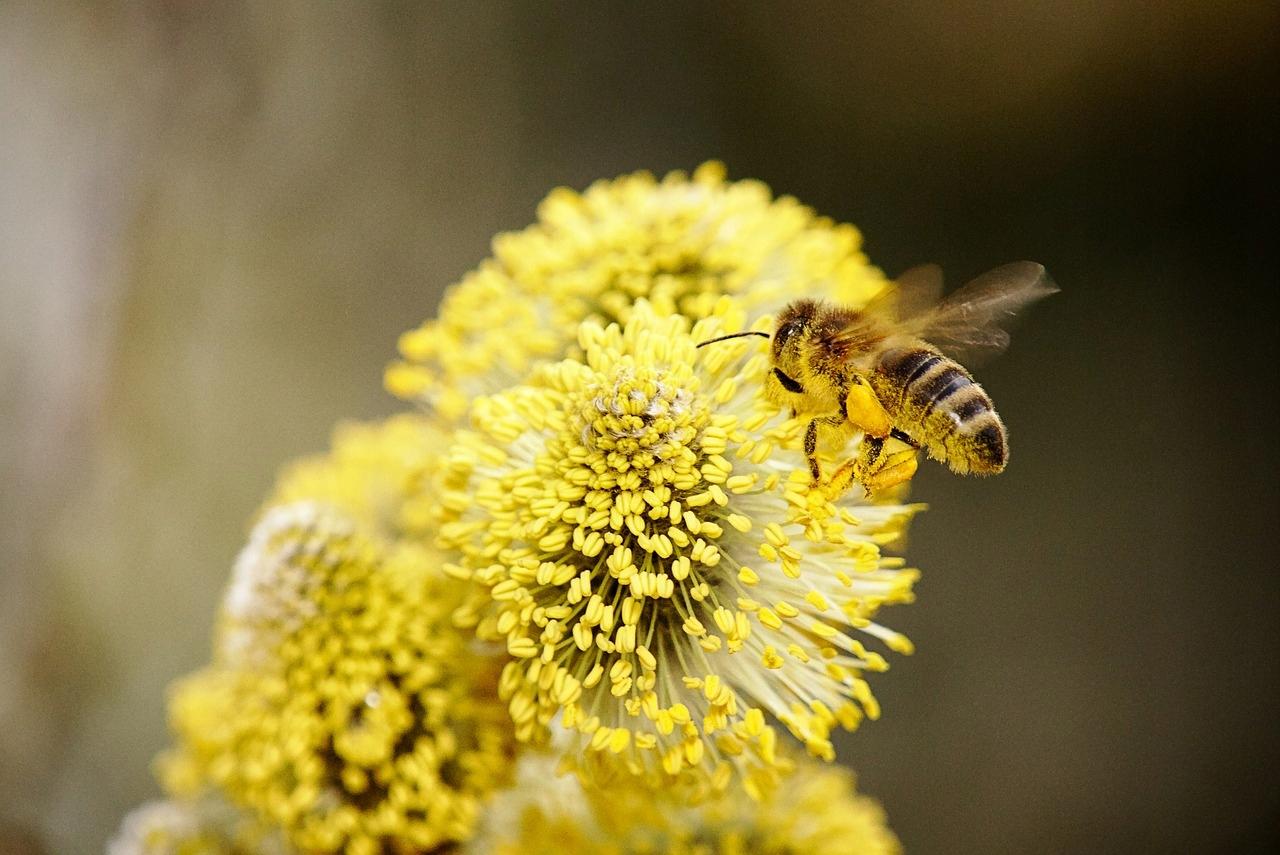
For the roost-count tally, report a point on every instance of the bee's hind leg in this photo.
(898, 467)
(856, 468)
(873, 469)
(902, 437)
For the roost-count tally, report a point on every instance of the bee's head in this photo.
(794, 324)
(788, 342)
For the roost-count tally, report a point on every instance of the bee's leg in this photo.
(841, 479)
(898, 467)
(811, 451)
(902, 437)
(873, 469)
(856, 468)
(873, 445)
(811, 444)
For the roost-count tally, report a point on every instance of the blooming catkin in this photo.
(650, 551)
(680, 243)
(342, 705)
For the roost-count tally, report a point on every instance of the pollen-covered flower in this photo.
(820, 813)
(680, 243)
(197, 827)
(343, 706)
(641, 521)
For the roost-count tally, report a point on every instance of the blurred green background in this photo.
(215, 218)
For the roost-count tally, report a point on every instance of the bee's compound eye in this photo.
(780, 337)
(787, 383)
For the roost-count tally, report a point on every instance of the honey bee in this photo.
(886, 371)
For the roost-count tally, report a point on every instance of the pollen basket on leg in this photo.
(660, 579)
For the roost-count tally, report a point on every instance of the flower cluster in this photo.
(597, 549)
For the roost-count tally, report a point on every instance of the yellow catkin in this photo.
(624, 504)
(345, 706)
(681, 243)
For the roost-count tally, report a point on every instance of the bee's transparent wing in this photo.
(910, 296)
(972, 323)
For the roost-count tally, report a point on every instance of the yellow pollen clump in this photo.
(608, 509)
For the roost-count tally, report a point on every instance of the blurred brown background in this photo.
(215, 218)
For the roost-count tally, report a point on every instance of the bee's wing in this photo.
(972, 322)
(911, 295)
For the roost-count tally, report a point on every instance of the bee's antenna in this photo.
(732, 335)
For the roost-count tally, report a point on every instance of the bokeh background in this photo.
(215, 218)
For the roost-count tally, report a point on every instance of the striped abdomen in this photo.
(939, 405)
